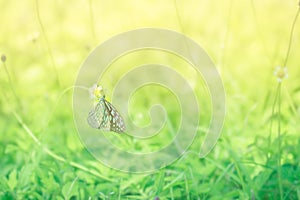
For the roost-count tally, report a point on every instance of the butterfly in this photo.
(104, 115)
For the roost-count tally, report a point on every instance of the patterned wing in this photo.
(104, 116)
(98, 117)
(116, 120)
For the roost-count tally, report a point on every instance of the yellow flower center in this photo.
(98, 92)
(281, 73)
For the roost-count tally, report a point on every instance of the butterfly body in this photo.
(104, 116)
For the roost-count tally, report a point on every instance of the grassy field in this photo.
(43, 45)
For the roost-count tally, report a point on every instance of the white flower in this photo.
(281, 73)
(96, 92)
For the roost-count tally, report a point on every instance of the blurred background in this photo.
(46, 42)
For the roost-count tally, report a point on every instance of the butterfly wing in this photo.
(104, 116)
(116, 120)
(98, 117)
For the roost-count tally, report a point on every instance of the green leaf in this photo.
(12, 179)
(3, 184)
(70, 189)
(159, 183)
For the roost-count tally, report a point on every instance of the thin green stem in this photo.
(187, 190)
(240, 174)
(181, 26)
(273, 112)
(291, 38)
(226, 36)
(178, 16)
(47, 43)
(71, 186)
(92, 21)
(120, 189)
(171, 193)
(11, 86)
(279, 174)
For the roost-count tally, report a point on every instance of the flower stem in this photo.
(11, 86)
(279, 174)
(291, 37)
(92, 21)
(58, 81)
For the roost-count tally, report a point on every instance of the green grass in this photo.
(258, 153)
